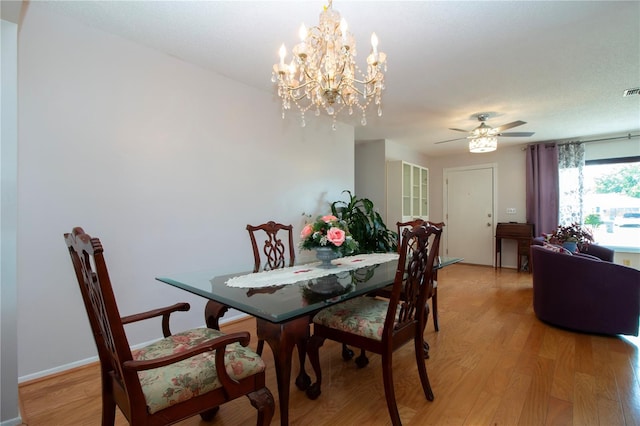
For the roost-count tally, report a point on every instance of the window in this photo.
(612, 201)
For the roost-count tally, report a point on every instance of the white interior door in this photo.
(469, 213)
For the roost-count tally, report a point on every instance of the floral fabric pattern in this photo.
(363, 316)
(556, 248)
(571, 182)
(194, 376)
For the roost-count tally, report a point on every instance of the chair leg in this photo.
(347, 353)
(426, 319)
(422, 367)
(389, 391)
(260, 346)
(108, 403)
(434, 308)
(262, 400)
(303, 380)
(362, 360)
(208, 415)
(108, 411)
(313, 351)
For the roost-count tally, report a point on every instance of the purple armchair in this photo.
(584, 293)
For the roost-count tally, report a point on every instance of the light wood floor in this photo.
(492, 363)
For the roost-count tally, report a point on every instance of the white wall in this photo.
(9, 413)
(396, 151)
(370, 177)
(162, 160)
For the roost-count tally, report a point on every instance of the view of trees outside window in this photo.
(612, 203)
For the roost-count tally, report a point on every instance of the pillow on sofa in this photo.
(588, 256)
(556, 249)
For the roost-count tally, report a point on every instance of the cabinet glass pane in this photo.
(424, 192)
(406, 189)
(415, 194)
(406, 180)
(406, 205)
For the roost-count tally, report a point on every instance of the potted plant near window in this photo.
(572, 237)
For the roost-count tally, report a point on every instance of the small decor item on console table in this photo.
(573, 237)
(330, 237)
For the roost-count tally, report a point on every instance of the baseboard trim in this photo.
(84, 362)
(11, 422)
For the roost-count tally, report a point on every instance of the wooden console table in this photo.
(522, 233)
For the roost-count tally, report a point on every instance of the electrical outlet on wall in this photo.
(511, 210)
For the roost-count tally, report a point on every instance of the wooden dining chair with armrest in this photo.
(174, 378)
(381, 325)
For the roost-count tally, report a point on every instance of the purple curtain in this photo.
(542, 187)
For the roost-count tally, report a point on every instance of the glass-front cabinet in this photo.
(407, 192)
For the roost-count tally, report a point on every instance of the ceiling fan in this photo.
(485, 130)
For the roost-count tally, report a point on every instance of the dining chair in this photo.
(274, 252)
(174, 378)
(434, 294)
(381, 325)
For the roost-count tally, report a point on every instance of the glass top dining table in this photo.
(283, 312)
(282, 303)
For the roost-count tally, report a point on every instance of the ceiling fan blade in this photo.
(516, 134)
(460, 130)
(448, 140)
(509, 126)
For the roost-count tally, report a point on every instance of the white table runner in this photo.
(309, 271)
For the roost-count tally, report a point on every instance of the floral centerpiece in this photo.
(573, 233)
(328, 232)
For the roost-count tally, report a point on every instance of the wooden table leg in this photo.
(282, 338)
(213, 311)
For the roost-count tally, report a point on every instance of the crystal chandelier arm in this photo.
(364, 83)
(290, 90)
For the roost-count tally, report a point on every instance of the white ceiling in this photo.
(561, 66)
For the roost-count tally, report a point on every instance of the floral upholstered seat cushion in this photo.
(193, 376)
(363, 316)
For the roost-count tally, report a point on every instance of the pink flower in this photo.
(329, 218)
(336, 236)
(306, 231)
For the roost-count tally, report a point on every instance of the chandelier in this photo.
(323, 74)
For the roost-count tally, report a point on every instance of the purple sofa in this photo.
(585, 293)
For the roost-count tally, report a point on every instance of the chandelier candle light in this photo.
(323, 74)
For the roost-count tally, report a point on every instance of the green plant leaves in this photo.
(365, 224)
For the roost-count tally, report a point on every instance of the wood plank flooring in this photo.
(492, 363)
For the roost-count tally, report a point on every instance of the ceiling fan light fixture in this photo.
(483, 144)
